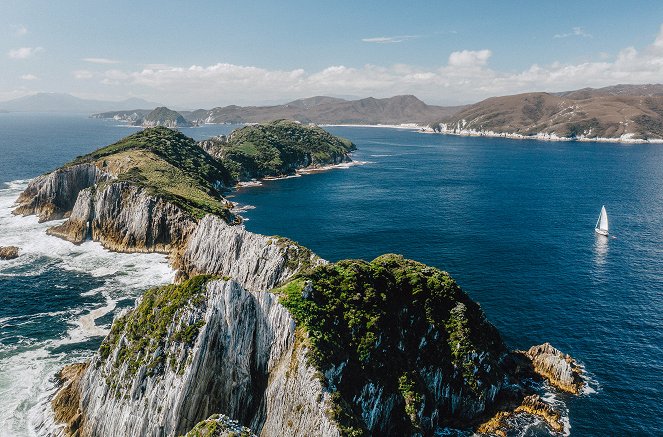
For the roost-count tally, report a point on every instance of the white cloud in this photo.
(19, 30)
(469, 58)
(389, 39)
(466, 77)
(83, 74)
(24, 52)
(29, 77)
(104, 61)
(576, 31)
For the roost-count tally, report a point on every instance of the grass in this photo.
(169, 165)
(145, 330)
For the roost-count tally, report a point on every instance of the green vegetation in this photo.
(169, 165)
(145, 329)
(591, 126)
(279, 148)
(387, 320)
(163, 116)
(649, 127)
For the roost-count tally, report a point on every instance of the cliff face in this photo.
(282, 365)
(244, 361)
(256, 261)
(53, 195)
(126, 218)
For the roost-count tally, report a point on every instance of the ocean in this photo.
(511, 220)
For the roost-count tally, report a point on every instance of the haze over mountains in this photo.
(319, 109)
(59, 102)
(625, 112)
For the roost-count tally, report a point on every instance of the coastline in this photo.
(624, 139)
(298, 173)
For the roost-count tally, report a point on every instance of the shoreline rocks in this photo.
(8, 252)
(559, 369)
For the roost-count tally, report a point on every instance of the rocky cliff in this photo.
(160, 377)
(52, 196)
(256, 261)
(125, 218)
(260, 329)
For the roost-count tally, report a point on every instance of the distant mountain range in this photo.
(319, 109)
(57, 102)
(624, 112)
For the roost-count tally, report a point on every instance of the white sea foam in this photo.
(27, 369)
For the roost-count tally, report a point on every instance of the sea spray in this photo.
(56, 304)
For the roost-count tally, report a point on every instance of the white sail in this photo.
(602, 222)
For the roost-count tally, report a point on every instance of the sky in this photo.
(201, 54)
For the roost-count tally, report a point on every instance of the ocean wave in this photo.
(27, 366)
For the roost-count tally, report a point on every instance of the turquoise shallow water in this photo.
(512, 221)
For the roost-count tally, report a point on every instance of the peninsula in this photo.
(259, 334)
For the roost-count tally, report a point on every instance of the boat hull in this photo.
(601, 232)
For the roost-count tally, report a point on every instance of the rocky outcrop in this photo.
(53, 195)
(8, 252)
(256, 261)
(558, 368)
(126, 218)
(502, 422)
(245, 362)
(66, 403)
(220, 425)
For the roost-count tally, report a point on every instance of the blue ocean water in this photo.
(511, 220)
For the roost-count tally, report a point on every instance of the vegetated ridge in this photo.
(276, 148)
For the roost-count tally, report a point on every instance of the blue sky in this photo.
(209, 53)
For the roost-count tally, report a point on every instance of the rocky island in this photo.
(259, 335)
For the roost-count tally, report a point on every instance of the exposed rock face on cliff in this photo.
(256, 261)
(403, 349)
(391, 347)
(125, 218)
(220, 425)
(221, 349)
(66, 403)
(53, 195)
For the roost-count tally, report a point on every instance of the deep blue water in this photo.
(512, 221)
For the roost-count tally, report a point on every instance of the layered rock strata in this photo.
(256, 261)
(52, 196)
(245, 361)
(126, 218)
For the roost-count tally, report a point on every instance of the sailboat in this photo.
(601, 227)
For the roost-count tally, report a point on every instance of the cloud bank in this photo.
(465, 77)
